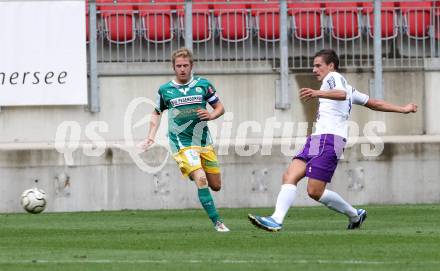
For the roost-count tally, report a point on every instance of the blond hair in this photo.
(182, 52)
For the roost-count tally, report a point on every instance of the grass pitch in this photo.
(404, 237)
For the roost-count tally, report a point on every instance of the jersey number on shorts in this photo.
(193, 157)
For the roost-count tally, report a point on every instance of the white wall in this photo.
(404, 173)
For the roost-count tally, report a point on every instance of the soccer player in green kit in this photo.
(186, 98)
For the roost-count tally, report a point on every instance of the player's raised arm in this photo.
(380, 105)
(384, 106)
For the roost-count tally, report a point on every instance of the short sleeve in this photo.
(160, 103)
(359, 97)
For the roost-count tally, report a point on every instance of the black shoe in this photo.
(356, 225)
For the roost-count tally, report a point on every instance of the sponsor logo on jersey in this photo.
(194, 99)
(184, 90)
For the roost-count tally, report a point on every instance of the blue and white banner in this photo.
(43, 53)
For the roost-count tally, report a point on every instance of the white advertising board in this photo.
(43, 53)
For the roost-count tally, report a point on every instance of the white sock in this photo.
(335, 202)
(284, 201)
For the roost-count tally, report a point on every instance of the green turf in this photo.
(405, 237)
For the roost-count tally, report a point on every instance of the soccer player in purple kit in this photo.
(320, 155)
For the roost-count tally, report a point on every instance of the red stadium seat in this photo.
(118, 20)
(267, 19)
(344, 18)
(201, 21)
(416, 18)
(156, 20)
(232, 20)
(389, 28)
(306, 20)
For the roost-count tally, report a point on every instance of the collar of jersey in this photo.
(187, 83)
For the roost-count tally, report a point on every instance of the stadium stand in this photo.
(232, 20)
(307, 23)
(219, 25)
(119, 22)
(416, 18)
(156, 20)
(344, 20)
(201, 21)
(389, 27)
(267, 20)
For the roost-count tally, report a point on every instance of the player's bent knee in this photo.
(215, 187)
(214, 181)
(286, 177)
(289, 178)
(202, 184)
(314, 193)
(202, 181)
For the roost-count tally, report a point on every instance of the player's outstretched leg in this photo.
(356, 223)
(285, 199)
(207, 201)
(265, 222)
(316, 190)
(294, 173)
(335, 202)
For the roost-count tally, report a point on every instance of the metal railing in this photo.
(245, 35)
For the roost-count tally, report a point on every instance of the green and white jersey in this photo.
(182, 101)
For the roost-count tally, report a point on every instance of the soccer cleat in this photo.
(356, 225)
(265, 222)
(220, 227)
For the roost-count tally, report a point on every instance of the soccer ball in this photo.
(33, 200)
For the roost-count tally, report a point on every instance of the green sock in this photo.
(208, 204)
